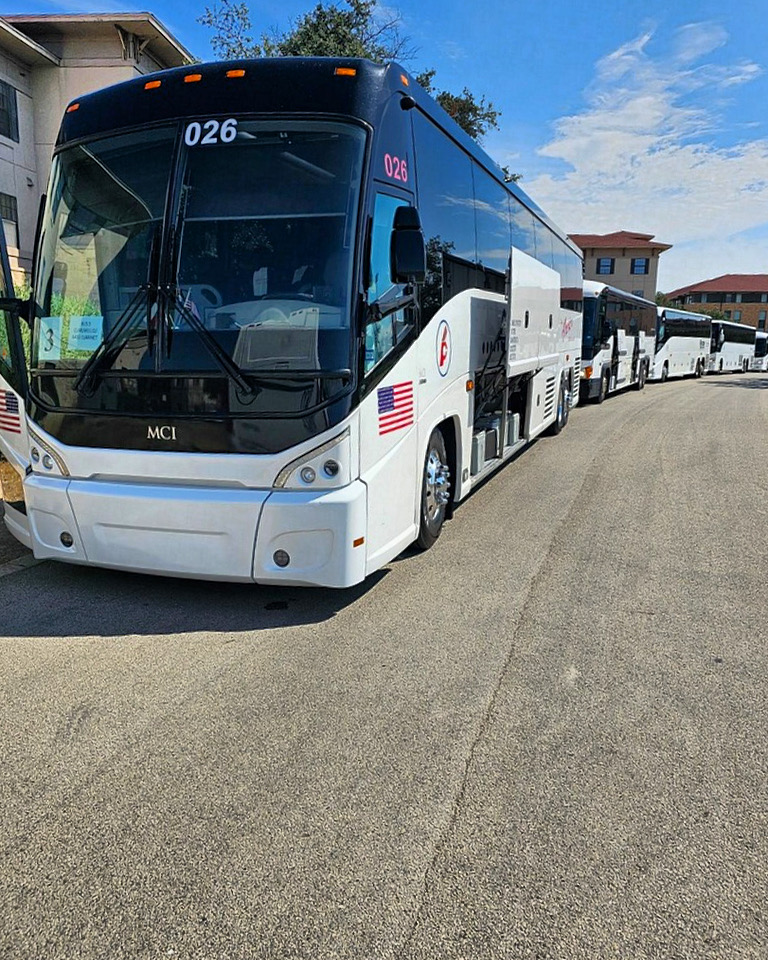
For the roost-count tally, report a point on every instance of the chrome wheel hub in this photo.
(437, 484)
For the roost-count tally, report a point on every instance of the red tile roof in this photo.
(728, 283)
(621, 238)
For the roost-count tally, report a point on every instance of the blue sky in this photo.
(644, 116)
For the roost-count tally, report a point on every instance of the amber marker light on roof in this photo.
(72, 107)
(404, 80)
(193, 77)
(152, 85)
(345, 72)
(235, 73)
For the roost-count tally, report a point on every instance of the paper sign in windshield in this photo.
(50, 339)
(85, 333)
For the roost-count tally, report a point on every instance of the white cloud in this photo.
(641, 155)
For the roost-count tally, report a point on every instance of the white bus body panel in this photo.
(680, 355)
(534, 308)
(730, 358)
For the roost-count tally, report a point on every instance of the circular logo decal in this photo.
(443, 348)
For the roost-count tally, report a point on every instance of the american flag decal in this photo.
(395, 407)
(10, 421)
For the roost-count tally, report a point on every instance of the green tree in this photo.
(474, 116)
(349, 29)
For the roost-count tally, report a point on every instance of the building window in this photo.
(738, 298)
(703, 298)
(764, 298)
(9, 115)
(9, 214)
(761, 320)
(639, 265)
(605, 265)
(638, 293)
(737, 314)
(729, 298)
(727, 314)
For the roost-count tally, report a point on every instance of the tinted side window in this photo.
(447, 208)
(384, 334)
(523, 231)
(493, 233)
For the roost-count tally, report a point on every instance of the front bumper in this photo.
(207, 533)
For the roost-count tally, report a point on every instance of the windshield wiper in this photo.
(106, 353)
(211, 344)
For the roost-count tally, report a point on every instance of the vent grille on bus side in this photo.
(576, 380)
(549, 398)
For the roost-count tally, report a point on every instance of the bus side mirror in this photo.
(408, 252)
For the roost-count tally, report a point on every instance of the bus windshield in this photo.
(201, 248)
(591, 331)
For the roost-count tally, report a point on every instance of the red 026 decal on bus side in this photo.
(396, 168)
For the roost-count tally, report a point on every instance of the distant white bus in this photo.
(619, 332)
(732, 346)
(760, 359)
(682, 344)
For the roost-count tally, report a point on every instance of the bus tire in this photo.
(641, 376)
(563, 409)
(698, 369)
(435, 491)
(664, 373)
(605, 381)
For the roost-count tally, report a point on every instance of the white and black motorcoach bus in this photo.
(619, 334)
(285, 313)
(682, 344)
(732, 347)
(760, 359)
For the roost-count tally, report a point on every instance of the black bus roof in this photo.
(282, 85)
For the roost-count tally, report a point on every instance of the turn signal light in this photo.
(588, 372)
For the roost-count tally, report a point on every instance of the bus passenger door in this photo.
(389, 411)
(14, 444)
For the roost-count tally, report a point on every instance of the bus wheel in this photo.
(563, 408)
(641, 375)
(604, 384)
(435, 491)
(698, 369)
(664, 373)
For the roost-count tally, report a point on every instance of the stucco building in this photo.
(742, 297)
(45, 62)
(624, 259)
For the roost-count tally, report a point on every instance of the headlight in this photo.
(51, 459)
(324, 468)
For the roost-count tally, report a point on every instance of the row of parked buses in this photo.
(285, 315)
(628, 340)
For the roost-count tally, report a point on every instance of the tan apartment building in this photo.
(45, 62)
(742, 297)
(627, 260)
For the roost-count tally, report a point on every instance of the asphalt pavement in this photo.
(544, 738)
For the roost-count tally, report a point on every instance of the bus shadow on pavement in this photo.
(746, 383)
(58, 600)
